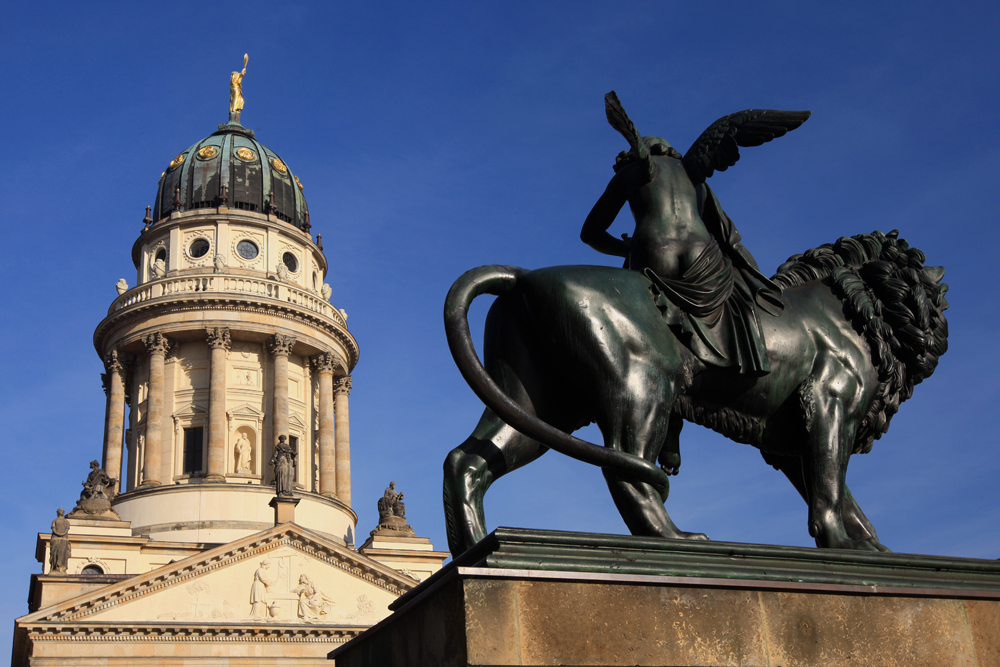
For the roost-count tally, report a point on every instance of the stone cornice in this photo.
(227, 630)
(215, 301)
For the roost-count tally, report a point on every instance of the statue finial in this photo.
(236, 92)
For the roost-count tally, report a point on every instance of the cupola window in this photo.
(247, 249)
(161, 255)
(199, 248)
(290, 262)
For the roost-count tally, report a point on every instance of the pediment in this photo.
(295, 575)
(295, 422)
(190, 410)
(246, 410)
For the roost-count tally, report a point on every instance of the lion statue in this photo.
(863, 323)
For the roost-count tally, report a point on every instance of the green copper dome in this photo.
(231, 168)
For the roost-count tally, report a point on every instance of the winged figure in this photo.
(708, 285)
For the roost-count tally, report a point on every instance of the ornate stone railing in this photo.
(227, 284)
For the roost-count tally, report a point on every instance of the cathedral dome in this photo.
(231, 168)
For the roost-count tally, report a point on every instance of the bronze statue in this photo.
(236, 91)
(808, 366)
(59, 547)
(283, 461)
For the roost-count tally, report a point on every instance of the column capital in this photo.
(219, 337)
(328, 362)
(280, 345)
(156, 343)
(112, 364)
(342, 385)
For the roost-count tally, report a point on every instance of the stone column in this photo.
(342, 389)
(218, 344)
(115, 432)
(157, 345)
(325, 365)
(280, 347)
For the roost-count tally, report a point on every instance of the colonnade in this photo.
(333, 442)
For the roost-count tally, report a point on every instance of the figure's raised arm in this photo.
(595, 227)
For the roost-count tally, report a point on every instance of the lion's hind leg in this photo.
(635, 419)
(493, 450)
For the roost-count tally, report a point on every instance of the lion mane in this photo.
(893, 301)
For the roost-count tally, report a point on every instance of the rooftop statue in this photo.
(809, 366)
(236, 91)
(98, 492)
(392, 513)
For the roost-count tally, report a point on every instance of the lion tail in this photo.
(498, 280)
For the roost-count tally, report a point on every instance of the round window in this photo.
(289, 260)
(247, 249)
(199, 248)
(161, 254)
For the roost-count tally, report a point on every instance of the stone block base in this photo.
(793, 613)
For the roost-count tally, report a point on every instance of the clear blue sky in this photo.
(434, 139)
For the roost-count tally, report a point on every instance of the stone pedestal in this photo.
(284, 509)
(525, 597)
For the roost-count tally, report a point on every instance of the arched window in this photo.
(92, 569)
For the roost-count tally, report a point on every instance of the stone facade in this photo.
(227, 341)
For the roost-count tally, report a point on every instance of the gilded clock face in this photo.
(246, 154)
(247, 249)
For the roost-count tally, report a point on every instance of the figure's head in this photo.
(94, 465)
(60, 512)
(281, 439)
(392, 485)
(303, 579)
(265, 563)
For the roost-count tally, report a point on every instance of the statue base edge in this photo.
(549, 597)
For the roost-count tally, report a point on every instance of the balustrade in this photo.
(216, 283)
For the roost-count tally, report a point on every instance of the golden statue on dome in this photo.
(236, 91)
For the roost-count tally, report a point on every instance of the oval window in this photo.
(161, 254)
(199, 248)
(247, 249)
(289, 260)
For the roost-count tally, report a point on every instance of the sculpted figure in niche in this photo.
(158, 269)
(258, 590)
(283, 461)
(220, 263)
(59, 548)
(312, 601)
(243, 450)
(282, 272)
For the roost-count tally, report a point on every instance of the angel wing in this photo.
(717, 147)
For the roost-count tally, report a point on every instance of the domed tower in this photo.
(227, 342)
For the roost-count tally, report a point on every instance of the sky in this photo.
(436, 137)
